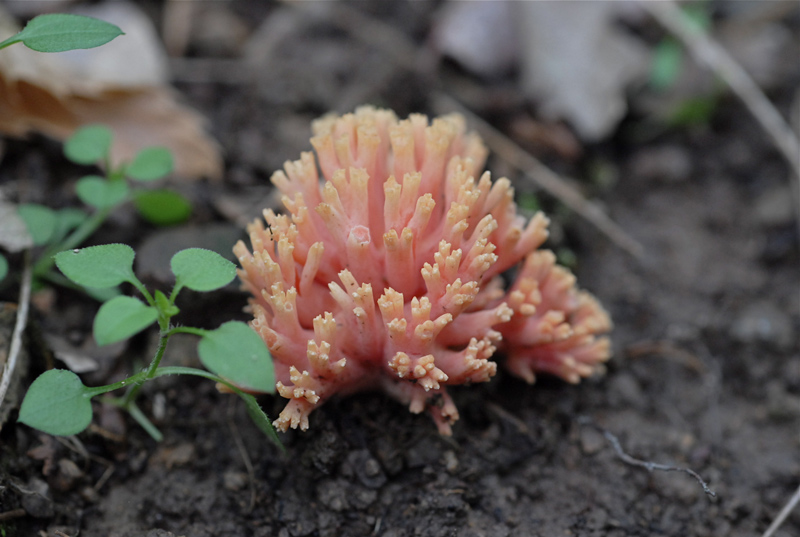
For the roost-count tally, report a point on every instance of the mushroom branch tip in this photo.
(386, 270)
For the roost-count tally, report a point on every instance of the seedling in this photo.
(56, 32)
(65, 229)
(90, 145)
(236, 357)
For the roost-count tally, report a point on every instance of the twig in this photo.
(14, 513)
(791, 504)
(19, 327)
(104, 478)
(707, 51)
(648, 465)
(75, 445)
(545, 178)
(511, 418)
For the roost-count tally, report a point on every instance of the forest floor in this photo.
(705, 373)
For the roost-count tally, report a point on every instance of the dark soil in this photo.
(705, 374)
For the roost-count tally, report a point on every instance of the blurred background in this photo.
(673, 197)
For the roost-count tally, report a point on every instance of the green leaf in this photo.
(3, 267)
(253, 409)
(98, 266)
(40, 221)
(98, 192)
(666, 64)
(236, 353)
(260, 418)
(57, 403)
(88, 145)
(103, 295)
(66, 220)
(164, 305)
(59, 32)
(150, 164)
(162, 207)
(696, 17)
(201, 270)
(120, 318)
(529, 202)
(695, 111)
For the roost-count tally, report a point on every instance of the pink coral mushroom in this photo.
(386, 274)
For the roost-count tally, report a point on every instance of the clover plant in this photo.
(67, 228)
(58, 32)
(91, 145)
(59, 403)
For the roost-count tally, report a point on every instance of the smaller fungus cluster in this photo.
(386, 273)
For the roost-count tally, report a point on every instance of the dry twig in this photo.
(545, 178)
(14, 513)
(708, 52)
(648, 465)
(19, 327)
(791, 504)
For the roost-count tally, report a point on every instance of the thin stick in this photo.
(14, 513)
(648, 465)
(791, 504)
(707, 51)
(19, 327)
(545, 178)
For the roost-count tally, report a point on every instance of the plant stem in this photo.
(253, 409)
(46, 261)
(142, 420)
(188, 330)
(151, 369)
(10, 41)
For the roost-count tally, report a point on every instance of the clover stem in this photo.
(78, 235)
(188, 330)
(142, 420)
(10, 41)
(151, 369)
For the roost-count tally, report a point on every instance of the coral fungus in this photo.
(387, 273)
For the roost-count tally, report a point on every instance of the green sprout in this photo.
(234, 355)
(66, 229)
(90, 145)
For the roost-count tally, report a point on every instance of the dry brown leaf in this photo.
(54, 95)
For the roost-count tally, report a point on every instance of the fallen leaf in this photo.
(45, 452)
(120, 85)
(578, 63)
(480, 36)
(15, 236)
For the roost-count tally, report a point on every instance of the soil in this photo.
(705, 373)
